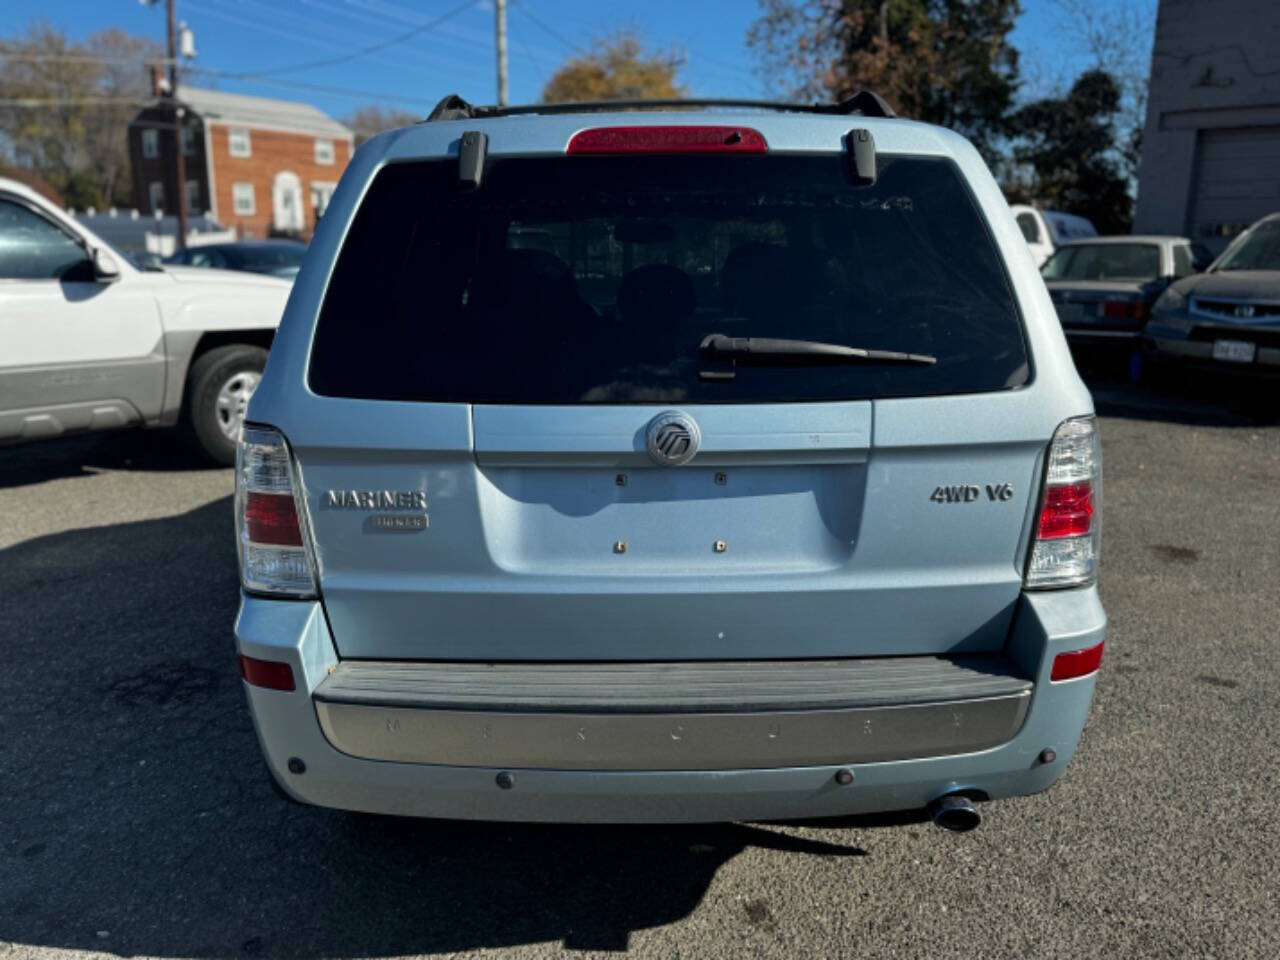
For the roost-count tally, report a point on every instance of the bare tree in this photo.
(372, 119)
(75, 101)
(1118, 35)
(948, 62)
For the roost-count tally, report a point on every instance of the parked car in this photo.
(733, 497)
(1046, 230)
(276, 258)
(1227, 318)
(1103, 288)
(91, 341)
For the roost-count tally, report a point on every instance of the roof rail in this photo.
(864, 103)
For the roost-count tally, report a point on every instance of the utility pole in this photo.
(500, 12)
(178, 126)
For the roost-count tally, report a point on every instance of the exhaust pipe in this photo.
(954, 811)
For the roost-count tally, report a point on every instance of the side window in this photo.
(1201, 257)
(1182, 260)
(238, 142)
(150, 144)
(242, 200)
(32, 248)
(206, 257)
(1030, 229)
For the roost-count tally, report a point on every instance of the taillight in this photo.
(271, 534)
(1065, 551)
(1122, 310)
(682, 139)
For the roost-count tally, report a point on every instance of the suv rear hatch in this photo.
(503, 351)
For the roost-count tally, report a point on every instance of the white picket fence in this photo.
(161, 241)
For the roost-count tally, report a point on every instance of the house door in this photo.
(286, 197)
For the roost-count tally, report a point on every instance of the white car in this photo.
(1046, 230)
(89, 341)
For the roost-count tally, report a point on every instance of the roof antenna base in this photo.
(452, 107)
(867, 103)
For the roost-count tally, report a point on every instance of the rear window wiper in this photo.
(723, 352)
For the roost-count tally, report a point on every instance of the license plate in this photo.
(1234, 351)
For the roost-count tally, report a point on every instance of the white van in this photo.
(1046, 230)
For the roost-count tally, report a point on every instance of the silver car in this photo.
(1228, 318)
(668, 466)
(1103, 288)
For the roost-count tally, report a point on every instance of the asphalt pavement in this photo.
(136, 818)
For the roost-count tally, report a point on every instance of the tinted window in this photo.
(274, 255)
(32, 248)
(595, 279)
(205, 257)
(1182, 260)
(1104, 261)
(1030, 229)
(1259, 249)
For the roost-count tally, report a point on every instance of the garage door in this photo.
(1237, 182)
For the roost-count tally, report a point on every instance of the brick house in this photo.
(263, 167)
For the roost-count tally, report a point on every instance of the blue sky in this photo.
(240, 36)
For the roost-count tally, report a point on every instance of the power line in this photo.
(365, 51)
(40, 102)
(82, 58)
(549, 30)
(316, 87)
(299, 27)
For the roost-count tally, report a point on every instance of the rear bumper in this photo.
(289, 726)
(1093, 335)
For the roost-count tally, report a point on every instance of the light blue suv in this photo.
(668, 466)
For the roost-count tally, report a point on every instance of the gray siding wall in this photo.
(1215, 79)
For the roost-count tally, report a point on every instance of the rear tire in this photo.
(219, 385)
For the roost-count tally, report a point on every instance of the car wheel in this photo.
(219, 386)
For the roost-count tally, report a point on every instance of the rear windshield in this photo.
(573, 280)
(1104, 261)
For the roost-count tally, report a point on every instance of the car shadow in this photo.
(1123, 387)
(82, 454)
(139, 818)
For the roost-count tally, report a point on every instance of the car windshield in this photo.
(1258, 249)
(595, 280)
(1103, 261)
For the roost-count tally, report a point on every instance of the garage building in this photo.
(1211, 151)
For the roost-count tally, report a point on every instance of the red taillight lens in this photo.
(1067, 511)
(271, 518)
(690, 139)
(1123, 309)
(1077, 663)
(270, 674)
